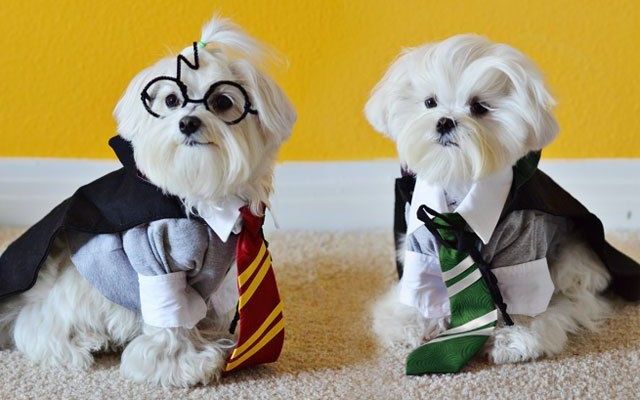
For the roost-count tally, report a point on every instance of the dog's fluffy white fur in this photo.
(62, 320)
(460, 75)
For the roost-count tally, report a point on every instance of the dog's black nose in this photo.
(445, 125)
(189, 124)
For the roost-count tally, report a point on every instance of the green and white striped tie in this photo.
(473, 312)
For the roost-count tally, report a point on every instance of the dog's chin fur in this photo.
(63, 319)
(205, 175)
(519, 120)
(469, 156)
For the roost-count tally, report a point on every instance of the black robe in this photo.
(113, 203)
(532, 189)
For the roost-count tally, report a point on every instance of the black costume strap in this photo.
(234, 321)
(466, 242)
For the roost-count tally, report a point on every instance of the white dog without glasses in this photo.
(462, 112)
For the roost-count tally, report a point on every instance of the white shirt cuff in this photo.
(526, 288)
(422, 286)
(166, 301)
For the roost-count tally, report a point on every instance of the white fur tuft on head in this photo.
(224, 33)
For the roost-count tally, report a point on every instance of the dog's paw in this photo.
(59, 354)
(396, 324)
(173, 358)
(512, 344)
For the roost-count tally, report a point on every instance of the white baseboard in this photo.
(323, 196)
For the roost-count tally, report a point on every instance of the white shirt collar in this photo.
(225, 218)
(481, 207)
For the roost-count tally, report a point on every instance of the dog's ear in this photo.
(130, 112)
(275, 112)
(544, 127)
(531, 93)
(383, 97)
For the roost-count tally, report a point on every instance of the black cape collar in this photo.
(124, 152)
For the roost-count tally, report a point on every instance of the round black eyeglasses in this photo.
(228, 100)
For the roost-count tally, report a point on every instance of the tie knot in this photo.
(250, 222)
(449, 229)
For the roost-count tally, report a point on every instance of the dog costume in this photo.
(136, 245)
(475, 250)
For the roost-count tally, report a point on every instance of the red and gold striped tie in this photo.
(260, 321)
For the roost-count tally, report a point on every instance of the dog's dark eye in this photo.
(477, 108)
(431, 102)
(172, 101)
(221, 103)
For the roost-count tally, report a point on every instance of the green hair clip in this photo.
(202, 44)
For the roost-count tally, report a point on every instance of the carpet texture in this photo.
(328, 282)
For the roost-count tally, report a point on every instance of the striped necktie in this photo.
(473, 295)
(260, 320)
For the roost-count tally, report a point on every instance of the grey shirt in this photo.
(518, 252)
(523, 236)
(112, 262)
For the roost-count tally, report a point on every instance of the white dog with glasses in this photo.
(207, 137)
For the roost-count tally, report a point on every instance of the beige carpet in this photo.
(328, 281)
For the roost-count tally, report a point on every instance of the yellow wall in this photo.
(65, 63)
